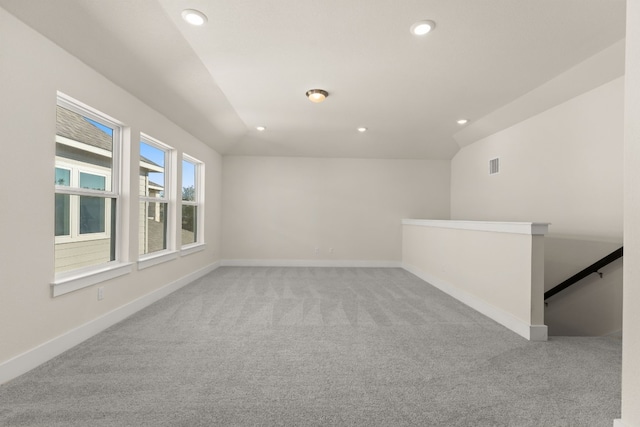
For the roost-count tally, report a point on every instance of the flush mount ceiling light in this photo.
(194, 17)
(421, 28)
(260, 128)
(317, 95)
(463, 121)
(362, 129)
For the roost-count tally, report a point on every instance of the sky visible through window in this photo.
(100, 126)
(188, 174)
(153, 154)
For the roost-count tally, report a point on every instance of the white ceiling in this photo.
(253, 61)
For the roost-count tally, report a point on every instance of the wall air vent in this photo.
(494, 166)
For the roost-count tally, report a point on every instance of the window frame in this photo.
(199, 243)
(74, 204)
(61, 238)
(71, 280)
(169, 253)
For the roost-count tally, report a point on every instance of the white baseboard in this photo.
(308, 263)
(530, 332)
(28, 360)
(618, 423)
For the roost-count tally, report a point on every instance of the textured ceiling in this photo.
(253, 61)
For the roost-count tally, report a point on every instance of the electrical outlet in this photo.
(317, 250)
(330, 250)
(100, 293)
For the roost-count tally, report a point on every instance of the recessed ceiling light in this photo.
(194, 17)
(362, 129)
(463, 121)
(421, 28)
(260, 128)
(317, 95)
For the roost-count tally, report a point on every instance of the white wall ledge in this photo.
(533, 228)
(77, 279)
(192, 249)
(149, 260)
(496, 268)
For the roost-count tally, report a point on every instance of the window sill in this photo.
(152, 259)
(74, 280)
(193, 248)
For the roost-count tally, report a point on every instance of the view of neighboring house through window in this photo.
(154, 196)
(85, 186)
(192, 209)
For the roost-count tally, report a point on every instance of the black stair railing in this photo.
(593, 268)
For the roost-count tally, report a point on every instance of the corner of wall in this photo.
(28, 360)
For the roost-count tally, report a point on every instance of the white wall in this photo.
(277, 208)
(504, 283)
(32, 69)
(562, 166)
(631, 333)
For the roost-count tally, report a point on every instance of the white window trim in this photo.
(169, 253)
(192, 248)
(69, 281)
(200, 243)
(155, 258)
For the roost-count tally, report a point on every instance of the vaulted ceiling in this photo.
(253, 61)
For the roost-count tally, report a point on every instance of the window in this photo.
(92, 209)
(192, 201)
(63, 203)
(155, 211)
(86, 188)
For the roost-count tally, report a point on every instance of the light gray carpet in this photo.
(317, 347)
